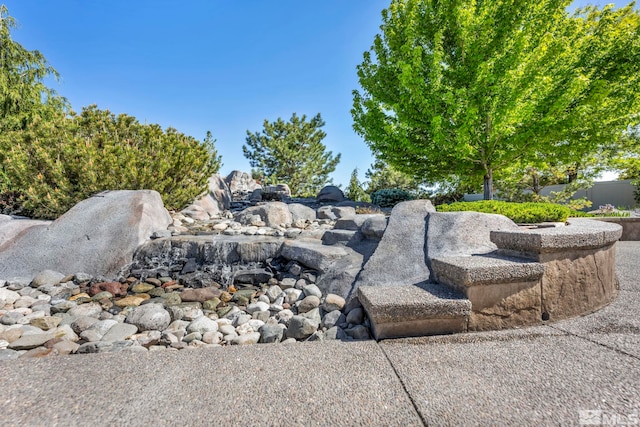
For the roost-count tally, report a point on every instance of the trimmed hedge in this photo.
(522, 213)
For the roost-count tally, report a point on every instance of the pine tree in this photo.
(292, 153)
(355, 191)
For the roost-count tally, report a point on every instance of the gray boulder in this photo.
(270, 333)
(218, 198)
(463, 233)
(241, 183)
(256, 195)
(331, 193)
(335, 212)
(11, 227)
(301, 327)
(300, 212)
(400, 257)
(374, 227)
(223, 249)
(313, 254)
(278, 192)
(98, 236)
(273, 214)
(150, 317)
(196, 212)
(354, 222)
(338, 265)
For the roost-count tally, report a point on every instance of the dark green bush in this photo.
(522, 213)
(9, 203)
(389, 197)
(53, 164)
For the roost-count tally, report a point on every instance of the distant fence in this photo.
(616, 193)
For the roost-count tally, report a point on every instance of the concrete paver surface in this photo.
(565, 373)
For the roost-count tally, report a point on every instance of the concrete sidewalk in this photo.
(547, 375)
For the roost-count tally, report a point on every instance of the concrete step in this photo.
(505, 292)
(397, 311)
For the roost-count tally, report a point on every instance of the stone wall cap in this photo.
(580, 233)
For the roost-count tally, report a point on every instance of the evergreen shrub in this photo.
(54, 164)
(389, 197)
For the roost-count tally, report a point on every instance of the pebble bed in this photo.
(187, 307)
(54, 315)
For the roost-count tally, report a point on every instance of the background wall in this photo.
(616, 193)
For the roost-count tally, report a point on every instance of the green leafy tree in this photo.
(23, 94)
(381, 175)
(467, 88)
(293, 153)
(355, 191)
(627, 160)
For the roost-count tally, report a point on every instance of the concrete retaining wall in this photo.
(630, 227)
(579, 264)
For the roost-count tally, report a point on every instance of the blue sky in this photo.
(218, 65)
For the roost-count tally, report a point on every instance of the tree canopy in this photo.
(293, 153)
(461, 90)
(23, 93)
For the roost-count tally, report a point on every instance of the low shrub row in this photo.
(521, 213)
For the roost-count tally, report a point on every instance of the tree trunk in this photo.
(488, 185)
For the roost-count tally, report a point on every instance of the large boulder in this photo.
(463, 233)
(241, 184)
(331, 193)
(273, 214)
(338, 265)
(11, 227)
(300, 212)
(97, 236)
(225, 250)
(416, 234)
(400, 257)
(276, 192)
(218, 198)
(335, 212)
